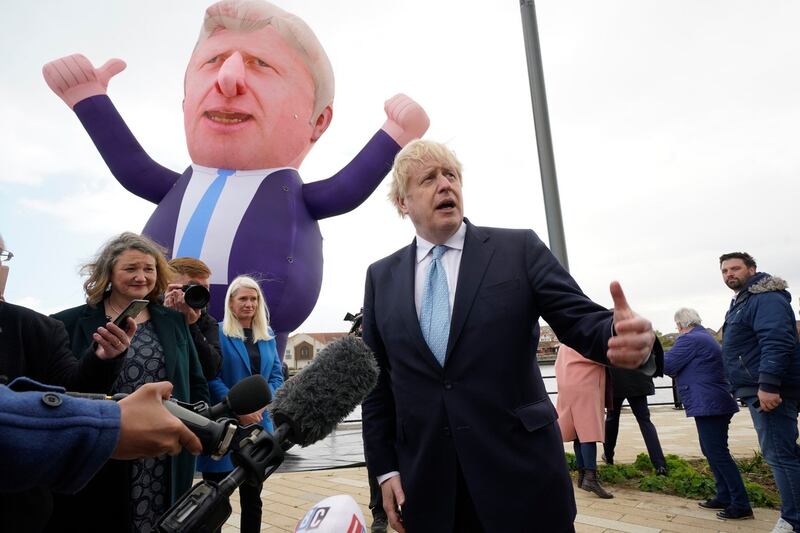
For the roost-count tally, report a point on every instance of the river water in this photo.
(662, 396)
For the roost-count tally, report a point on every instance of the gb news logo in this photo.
(337, 514)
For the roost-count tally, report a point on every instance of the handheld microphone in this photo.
(214, 436)
(321, 395)
(247, 396)
(306, 409)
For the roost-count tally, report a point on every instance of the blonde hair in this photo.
(251, 15)
(231, 325)
(417, 154)
(98, 282)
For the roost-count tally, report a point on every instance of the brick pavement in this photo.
(287, 496)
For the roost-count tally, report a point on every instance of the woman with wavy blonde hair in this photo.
(248, 349)
(132, 495)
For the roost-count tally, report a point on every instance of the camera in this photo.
(356, 319)
(195, 296)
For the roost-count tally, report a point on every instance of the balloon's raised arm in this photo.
(73, 78)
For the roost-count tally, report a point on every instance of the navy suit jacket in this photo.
(486, 411)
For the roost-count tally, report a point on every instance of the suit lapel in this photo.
(474, 260)
(403, 280)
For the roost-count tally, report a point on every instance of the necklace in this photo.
(113, 307)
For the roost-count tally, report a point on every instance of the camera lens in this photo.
(196, 296)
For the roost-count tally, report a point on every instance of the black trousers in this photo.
(249, 501)
(642, 413)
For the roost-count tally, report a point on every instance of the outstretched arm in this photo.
(83, 88)
(347, 189)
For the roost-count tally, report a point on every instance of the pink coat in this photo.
(581, 397)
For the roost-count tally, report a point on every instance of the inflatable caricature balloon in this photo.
(258, 95)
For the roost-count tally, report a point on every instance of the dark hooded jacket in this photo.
(760, 343)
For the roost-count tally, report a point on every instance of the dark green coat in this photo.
(102, 504)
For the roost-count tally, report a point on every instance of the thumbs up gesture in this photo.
(634, 338)
(74, 78)
(405, 119)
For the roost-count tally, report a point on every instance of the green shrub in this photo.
(617, 473)
(693, 485)
(759, 497)
(751, 465)
(653, 484)
(571, 462)
(690, 480)
(643, 463)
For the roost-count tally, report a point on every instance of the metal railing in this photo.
(550, 393)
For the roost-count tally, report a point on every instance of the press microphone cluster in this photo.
(305, 410)
(214, 425)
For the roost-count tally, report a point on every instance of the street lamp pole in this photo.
(544, 142)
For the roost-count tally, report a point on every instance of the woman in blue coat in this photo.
(248, 348)
(695, 361)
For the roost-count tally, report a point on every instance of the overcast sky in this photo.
(675, 125)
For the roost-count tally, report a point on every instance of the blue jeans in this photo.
(713, 434)
(777, 436)
(585, 454)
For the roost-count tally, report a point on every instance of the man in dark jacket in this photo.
(634, 387)
(761, 353)
(203, 327)
(459, 430)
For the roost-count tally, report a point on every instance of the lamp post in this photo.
(544, 142)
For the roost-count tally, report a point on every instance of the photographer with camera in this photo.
(188, 293)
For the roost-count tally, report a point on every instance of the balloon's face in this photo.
(249, 99)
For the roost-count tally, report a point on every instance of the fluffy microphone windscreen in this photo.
(319, 397)
(249, 395)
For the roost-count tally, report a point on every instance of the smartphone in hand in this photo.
(132, 311)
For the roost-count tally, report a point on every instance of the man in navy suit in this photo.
(459, 430)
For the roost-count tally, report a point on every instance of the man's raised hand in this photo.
(634, 338)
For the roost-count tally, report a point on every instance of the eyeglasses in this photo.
(6, 256)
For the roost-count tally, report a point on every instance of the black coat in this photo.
(630, 384)
(205, 334)
(487, 409)
(37, 346)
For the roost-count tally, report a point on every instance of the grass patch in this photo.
(689, 479)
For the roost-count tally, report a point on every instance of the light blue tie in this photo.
(434, 313)
(195, 234)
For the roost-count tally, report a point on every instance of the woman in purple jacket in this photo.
(695, 361)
